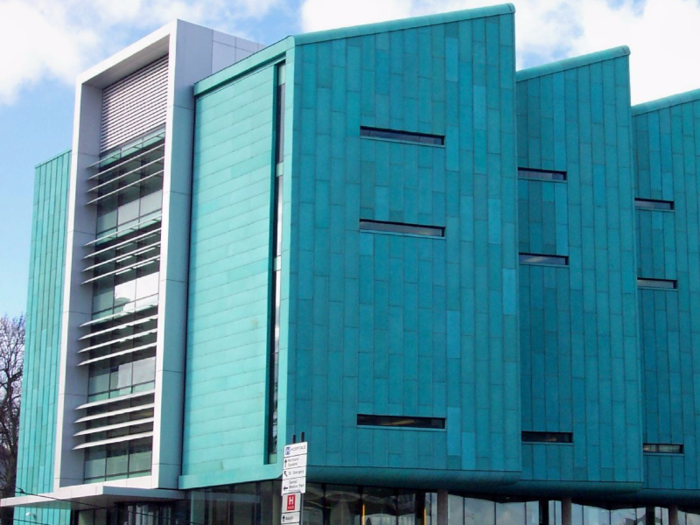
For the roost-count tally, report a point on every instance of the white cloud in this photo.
(662, 34)
(324, 14)
(50, 39)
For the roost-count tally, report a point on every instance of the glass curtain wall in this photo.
(170, 513)
(259, 504)
(118, 346)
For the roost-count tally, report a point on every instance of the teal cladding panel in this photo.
(667, 140)
(43, 336)
(578, 324)
(396, 324)
(227, 344)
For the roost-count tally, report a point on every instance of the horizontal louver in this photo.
(134, 105)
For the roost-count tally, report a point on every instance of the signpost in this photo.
(293, 482)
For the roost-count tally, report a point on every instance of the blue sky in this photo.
(51, 42)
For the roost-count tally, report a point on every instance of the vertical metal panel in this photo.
(134, 104)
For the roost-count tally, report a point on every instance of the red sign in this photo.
(291, 502)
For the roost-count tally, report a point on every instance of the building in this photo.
(475, 291)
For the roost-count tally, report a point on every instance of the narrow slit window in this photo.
(402, 136)
(547, 437)
(540, 258)
(659, 284)
(653, 204)
(535, 174)
(401, 227)
(662, 448)
(367, 420)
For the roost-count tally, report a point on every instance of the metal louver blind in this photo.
(134, 104)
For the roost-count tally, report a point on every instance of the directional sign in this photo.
(294, 485)
(293, 482)
(295, 461)
(295, 449)
(299, 472)
(291, 502)
(291, 517)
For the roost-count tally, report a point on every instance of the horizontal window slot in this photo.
(120, 439)
(402, 136)
(118, 327)
(659, 284)
(106, 415)
(118, 354)
(128, 255)
(662, 448)
(134, 266)
(535, 174)
(125, 231)
(119, 399)
(653, 204)
(102, 185)
(124, 243)
(122, 188)
(402, 228)
(113, 317)
(116, 426)
(367, 420)
(547, 437)
(540, 258)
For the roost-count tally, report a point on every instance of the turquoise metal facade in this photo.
(398, 324)
(667, 140)
(43, 335)
(227, 351)
(452, 327)
(377, 324)
(579, 345)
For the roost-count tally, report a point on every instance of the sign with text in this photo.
(296, 449)
(295, 462)
(291, 517)
(294, 485)
(293, 482)
(299, 472)
(291, 502)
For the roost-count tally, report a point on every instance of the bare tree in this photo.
(11, 364)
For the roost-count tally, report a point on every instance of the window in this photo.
(653, 204)
(118, 460)
(538, 258)
(659, 284)
(400, 421)
(402, 136)
(401, 227)
(547, 437)
(276, 269)
(122, 375)
(534, 174)
(662, 448)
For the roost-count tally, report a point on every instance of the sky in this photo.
(46, 43)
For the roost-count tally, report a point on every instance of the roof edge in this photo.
(571, 63)
(666, 102)
(258, 59)
(403, 23)
(51, 159)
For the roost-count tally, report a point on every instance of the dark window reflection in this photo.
(313, 505)
(343, 505)
(259, 504)
(510, 513)
(380, 506)
(479, 512)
